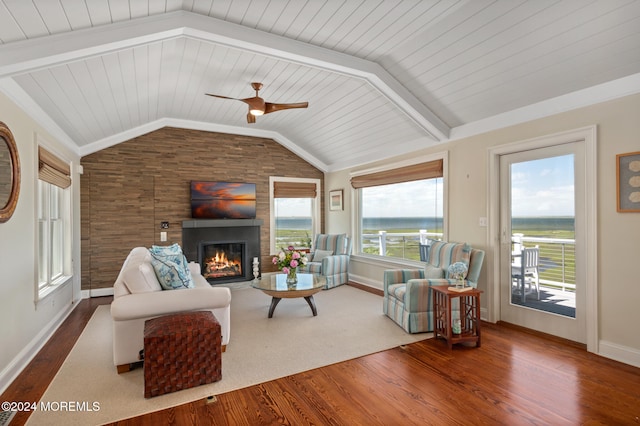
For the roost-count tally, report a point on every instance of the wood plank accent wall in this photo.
(127, 190)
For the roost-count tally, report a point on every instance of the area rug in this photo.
(88, 391)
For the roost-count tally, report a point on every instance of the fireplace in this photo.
(224, 248)
(222, 260)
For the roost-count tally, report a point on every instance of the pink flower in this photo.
(294, 263)
(274, 260)
(291, 248)
(295, 255)
(285, 270)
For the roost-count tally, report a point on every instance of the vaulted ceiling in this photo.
(382, 77)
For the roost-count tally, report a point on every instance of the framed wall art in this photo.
(9, 173)
(335, 200)
(628, 182)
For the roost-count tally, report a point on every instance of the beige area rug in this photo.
(349, 324)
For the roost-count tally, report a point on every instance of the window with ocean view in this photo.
(294, 222)
(295, 212)
(394, 216)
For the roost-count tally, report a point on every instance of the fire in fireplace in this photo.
(222, 260)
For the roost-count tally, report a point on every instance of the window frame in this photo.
(316, 218)
(357, 205)
(42, 289)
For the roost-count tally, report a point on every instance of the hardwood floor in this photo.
(31, 383)
(516, 377)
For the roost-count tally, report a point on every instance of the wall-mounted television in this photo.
(223, 200)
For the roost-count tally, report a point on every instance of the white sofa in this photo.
(130, 309)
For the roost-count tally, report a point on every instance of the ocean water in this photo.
(543, 223)
(378, 223)
(432, 224)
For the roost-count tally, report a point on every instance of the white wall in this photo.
(618, 233)
(24, 325)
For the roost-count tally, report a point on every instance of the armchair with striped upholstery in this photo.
(330, 257)
(408, 298)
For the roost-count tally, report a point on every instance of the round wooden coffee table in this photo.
(275, 285)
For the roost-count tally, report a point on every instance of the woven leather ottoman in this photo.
(181, 351)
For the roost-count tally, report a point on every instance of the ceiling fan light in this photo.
(256, 112)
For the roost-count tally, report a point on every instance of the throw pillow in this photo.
(172, 271)
(465, 257)
(166, 250)
(460, 253)
(431, 271)
(318, 255)
(141, 279)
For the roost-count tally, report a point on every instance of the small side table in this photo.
(469, 315)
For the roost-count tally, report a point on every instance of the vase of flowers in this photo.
(457, 271)
(288, 261)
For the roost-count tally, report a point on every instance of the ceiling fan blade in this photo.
(223, 97)
(255, 102)
(269, 107)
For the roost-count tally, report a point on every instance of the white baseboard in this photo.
(366, 281)
(619, 353)
(484, 314)
(15, 367)
(98, 292)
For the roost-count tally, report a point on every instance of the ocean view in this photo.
(377, 223)
(416, 223)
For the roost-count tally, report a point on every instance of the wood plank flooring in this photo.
(516, 377)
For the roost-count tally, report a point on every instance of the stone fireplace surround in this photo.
(198, 231)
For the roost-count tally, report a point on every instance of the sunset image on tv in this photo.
(223, 200)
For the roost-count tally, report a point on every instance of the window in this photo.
(54, 222)
(400, 207)
(295, 212)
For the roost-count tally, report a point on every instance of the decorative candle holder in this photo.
(256, 268)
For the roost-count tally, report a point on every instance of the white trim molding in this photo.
(620, 353)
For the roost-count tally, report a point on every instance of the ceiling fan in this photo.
(257, 105)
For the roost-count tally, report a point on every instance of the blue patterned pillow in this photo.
(172, 271)
(166, 250)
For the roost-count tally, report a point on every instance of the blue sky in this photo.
(539, 188)
(543, 187)
(410, 199)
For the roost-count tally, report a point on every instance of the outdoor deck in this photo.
(552, 300)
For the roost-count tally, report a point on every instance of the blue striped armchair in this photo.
(330, 257)
(408, 298)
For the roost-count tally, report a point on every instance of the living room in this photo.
(146, 162)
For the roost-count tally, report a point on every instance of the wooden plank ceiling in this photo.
(382, 77)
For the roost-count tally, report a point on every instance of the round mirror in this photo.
(9, 173)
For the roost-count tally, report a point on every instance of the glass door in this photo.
(540, 239)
